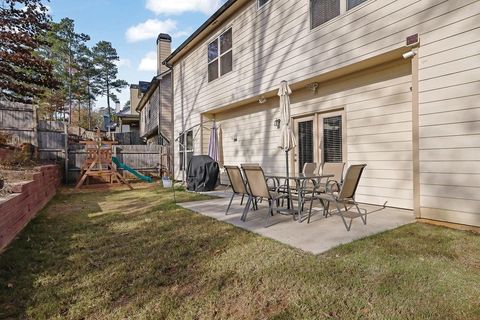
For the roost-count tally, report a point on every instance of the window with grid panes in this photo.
(185, 147)
(220, 56)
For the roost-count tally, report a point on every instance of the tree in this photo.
(24, 74)
(105, 57)
(87, 75)
(65, 45)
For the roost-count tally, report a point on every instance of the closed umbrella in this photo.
(288, 141)
(213, 144)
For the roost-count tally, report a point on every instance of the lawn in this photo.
(135, 254)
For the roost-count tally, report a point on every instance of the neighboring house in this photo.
(129, 120)
(394, 84)
(155, 105)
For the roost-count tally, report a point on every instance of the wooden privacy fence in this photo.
(52, 141)
(20, 121)
(153, 159)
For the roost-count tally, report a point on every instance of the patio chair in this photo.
(327, 168)
(308, 169)
(331, 168)
(236, 183)
(344, 197)
(258, 188)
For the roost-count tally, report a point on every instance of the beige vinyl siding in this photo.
(292, 52)
(165, 95)
(388, 176)
(379, 133)
(277, 44)
(449, 83)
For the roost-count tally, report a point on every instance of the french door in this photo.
(320, 138)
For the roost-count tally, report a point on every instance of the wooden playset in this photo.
(99, 162)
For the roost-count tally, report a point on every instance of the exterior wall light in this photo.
(313, 87)
(276, 123)
(262, 100)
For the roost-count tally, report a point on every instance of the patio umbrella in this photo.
(288, 141)
(213, 144)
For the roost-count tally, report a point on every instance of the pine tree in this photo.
(24, 73)
(87, 76)
(105, 57)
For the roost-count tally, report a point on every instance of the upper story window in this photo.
(261, 3)
(220, 56)
(353, 3)
(322, 11)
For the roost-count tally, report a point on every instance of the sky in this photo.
(132, 26)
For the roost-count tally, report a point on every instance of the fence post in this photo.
(66, 151)
(35, 127)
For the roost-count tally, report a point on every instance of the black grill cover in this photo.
(202, 174)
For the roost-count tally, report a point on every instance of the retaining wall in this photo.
(28, 198)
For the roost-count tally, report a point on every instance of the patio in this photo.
(320, 235)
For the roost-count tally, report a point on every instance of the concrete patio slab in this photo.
(320, 235)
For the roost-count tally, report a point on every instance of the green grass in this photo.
(135, 254)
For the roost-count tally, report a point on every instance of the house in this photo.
(394, 84)
(155, 104)
(129, 119)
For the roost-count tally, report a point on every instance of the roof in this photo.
(143, 86)
(204, 26)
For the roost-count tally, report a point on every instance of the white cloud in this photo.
(150, 29)
(180, 6)
(182, 33)
(123, 62)
(148, 62)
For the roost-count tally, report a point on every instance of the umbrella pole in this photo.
(288, 182)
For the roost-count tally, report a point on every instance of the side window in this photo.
(322, 11)
(220, 56)
(185, 148)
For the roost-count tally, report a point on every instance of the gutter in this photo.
(148, 94)
(207, 23)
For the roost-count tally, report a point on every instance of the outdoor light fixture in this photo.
(276, 123)
(262, 100)
(313, 87)
(408, 55)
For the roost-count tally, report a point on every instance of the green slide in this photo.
(134, 172)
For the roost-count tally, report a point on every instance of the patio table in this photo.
(300, 184)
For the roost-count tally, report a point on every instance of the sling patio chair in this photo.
(327, 168)
(309, 168)
(335, 168)
(344, 197)
(258, 188)
(236, 183)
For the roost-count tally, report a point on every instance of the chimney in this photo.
(117, 107)
(164, 48)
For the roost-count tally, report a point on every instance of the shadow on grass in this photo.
(135, 254)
